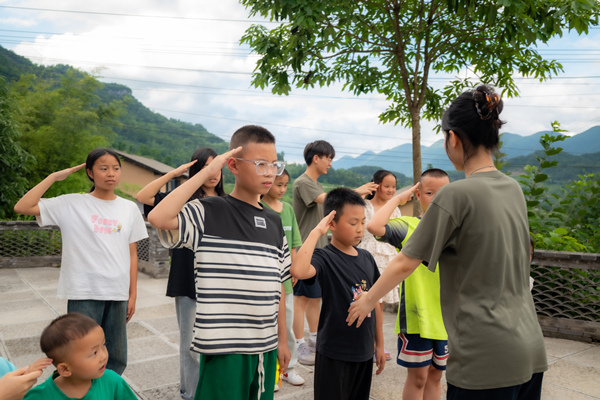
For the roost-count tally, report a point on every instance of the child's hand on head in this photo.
(367, 189)
(15, 384)
(39, 365)
(62, 175)
(221, 160)
(183, 168)
(403, 197)
(325, 224)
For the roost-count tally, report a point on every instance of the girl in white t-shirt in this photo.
(99, 253)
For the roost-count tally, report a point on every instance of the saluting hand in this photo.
(62, 175)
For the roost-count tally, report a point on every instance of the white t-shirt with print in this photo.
(95, 244)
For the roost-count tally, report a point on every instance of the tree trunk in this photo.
(416, 150)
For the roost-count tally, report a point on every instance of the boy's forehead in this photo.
(259, 151)
(433, 182)
(353, 211)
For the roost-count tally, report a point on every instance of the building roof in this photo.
(155, 166)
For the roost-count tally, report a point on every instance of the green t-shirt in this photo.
(419, 310)
(477, 229)
(308, 213)
(108, 386)
(292, 234)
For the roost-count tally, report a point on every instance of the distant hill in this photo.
(141, 131)
(399, 158)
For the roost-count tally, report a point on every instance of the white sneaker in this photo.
(305, 356)
(312, 344)
(293, 378)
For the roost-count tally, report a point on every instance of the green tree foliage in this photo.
(14, 161)
(143, 132)
(392, 47)
(569, 220)
(62, 120)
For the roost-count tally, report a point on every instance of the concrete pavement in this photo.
(28, 303)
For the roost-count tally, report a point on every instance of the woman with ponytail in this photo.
(477, 229)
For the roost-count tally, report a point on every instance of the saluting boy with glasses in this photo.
(242, 259)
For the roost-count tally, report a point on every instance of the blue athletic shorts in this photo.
(312, 291)
(416, 352)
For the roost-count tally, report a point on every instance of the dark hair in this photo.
(250, 134)
(474, 118)
(338, 198)
(378, 177)
(319, 148)
(93, 157)
(62, 331)
(202, 155)
(285, 172)
(435, 173)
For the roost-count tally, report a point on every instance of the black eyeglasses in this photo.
(262, 166)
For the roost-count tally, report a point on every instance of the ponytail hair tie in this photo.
(492, 101)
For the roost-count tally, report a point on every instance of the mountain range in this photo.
(399, 158)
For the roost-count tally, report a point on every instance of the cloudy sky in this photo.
(182, 59)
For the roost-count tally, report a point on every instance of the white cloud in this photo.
(182, 50)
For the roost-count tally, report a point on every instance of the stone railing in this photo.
(566, 289)
(25, 244)
(566, 292)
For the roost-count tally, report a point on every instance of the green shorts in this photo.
(237, 376)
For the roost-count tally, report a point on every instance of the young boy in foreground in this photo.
(76, 345)
(344, 360)
(422, 337)
(242, 258)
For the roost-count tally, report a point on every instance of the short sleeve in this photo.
(431, 236)
(139, 230)
(51, 210)
(157, 199)
(395, 232)
(190, 228)
(309, 191)
(296, 238)
(285, 261)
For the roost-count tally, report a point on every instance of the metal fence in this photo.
(566, 289)
(25, 244)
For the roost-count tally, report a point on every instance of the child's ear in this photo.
(90, 174)
(232, 165)
(332, 225)
(418, 194)
(63, 369)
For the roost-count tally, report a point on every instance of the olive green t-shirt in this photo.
(308, 213)
(477, 229)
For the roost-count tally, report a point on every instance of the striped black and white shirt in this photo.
(241, 257)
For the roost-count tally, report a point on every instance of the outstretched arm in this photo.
(301, 266)
(28, 205)
(397, 270)
(146, 195)
(366, 189)
(164, 215)
(380, 219)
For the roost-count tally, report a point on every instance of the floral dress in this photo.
(381, 252)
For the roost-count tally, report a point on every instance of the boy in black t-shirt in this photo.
(344, 361)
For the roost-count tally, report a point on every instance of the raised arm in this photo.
(301, 264)
(380, 219)
(164, 215)
(28, 205)
(366, 189)
(146, 195)
(397, 270)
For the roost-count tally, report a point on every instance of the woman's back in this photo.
(478, 229)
